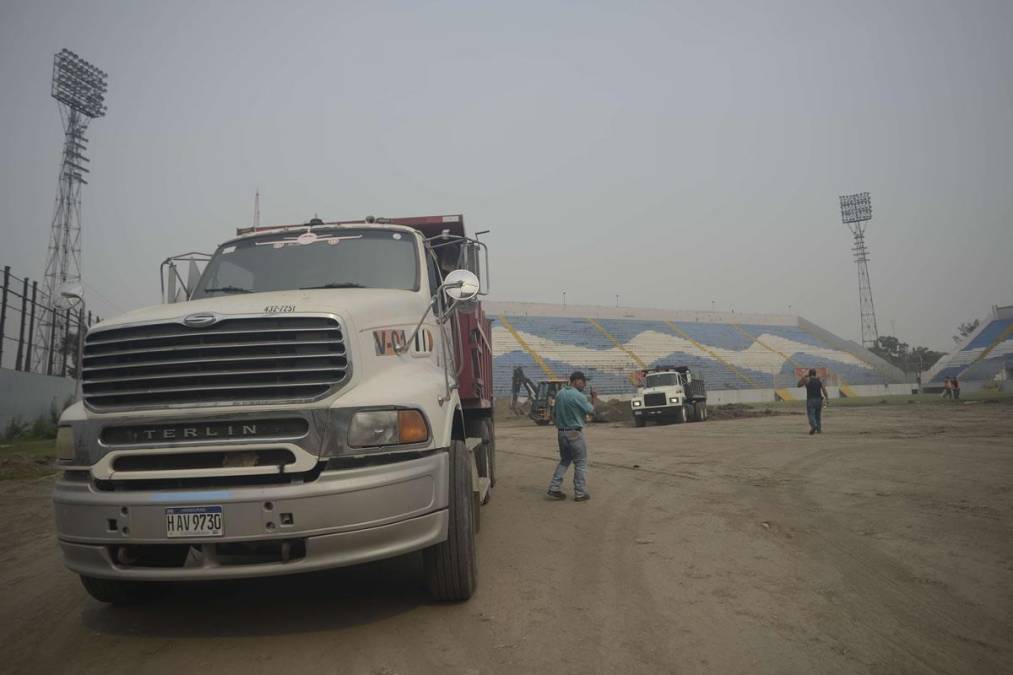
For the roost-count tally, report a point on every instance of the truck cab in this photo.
(321, 397)
(670, 393)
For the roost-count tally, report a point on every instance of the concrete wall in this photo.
(884, 389)
(726, 396)
(969, 387)
(27, 395)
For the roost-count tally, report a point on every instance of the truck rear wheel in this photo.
(451, 567)
(120, 591)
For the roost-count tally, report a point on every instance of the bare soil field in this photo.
(884, 545)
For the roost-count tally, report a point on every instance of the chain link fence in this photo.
(39, 334)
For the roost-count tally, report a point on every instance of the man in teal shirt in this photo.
(570, 409)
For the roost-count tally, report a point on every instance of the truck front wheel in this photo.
(119, 591)
(680, 415)
(451, 566)
(638, 421)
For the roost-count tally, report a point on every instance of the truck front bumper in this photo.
(659, 411)
(343, 518)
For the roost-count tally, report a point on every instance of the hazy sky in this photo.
(673, 153)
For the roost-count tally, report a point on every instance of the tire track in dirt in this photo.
(891, 607)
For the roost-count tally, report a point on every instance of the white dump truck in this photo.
(321, 396)
(671, 393)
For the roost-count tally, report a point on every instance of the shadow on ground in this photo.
(300, 603)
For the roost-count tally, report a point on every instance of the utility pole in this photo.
(256, 210)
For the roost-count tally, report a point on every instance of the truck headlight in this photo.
(637, 404)
(373, 428)
(65, 450)
(674, 399)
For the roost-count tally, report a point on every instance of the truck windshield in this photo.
(323, 258)
(662, 380)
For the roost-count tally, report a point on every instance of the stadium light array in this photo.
(856, 208)
(78, 84)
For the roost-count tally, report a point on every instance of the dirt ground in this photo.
(884, 545)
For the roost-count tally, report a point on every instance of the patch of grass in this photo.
(26, 460)
(43, 448)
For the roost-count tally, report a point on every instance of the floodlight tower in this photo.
(79, 88)
(856, 212)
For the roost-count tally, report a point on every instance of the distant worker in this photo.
(955, 384)
(571, 408)
(947, 388)
(520, 381)
(815, 398)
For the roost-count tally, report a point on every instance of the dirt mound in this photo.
(734, 411)
(504, 415)
(614, 410)
(608, 411)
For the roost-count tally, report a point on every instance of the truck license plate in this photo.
(194, 521)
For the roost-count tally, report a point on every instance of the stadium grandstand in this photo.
(985, 358)
(733, 352)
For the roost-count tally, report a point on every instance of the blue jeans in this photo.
(572, 450)
(814, 409)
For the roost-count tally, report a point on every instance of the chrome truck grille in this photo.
(654, 399)
(234, 361)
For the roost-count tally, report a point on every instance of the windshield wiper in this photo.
(227, 289)
(335, 284)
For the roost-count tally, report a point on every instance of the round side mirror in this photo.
(461, 285)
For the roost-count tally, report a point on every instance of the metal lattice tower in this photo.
(856, 212)
(79, 88)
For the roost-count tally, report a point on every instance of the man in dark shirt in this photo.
(815, 398)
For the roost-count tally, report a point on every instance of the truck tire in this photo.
(680, 417)
(451, 567)
(638, 421)
(119, 591)
(698, 411)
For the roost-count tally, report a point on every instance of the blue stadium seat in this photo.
(988, 335)
(566, 344)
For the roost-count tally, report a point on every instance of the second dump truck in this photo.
(670, 393)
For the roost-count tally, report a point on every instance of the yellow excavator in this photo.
(541, 398)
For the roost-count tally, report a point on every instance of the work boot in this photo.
(556, 494)
(582, 498)
(812, 431)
